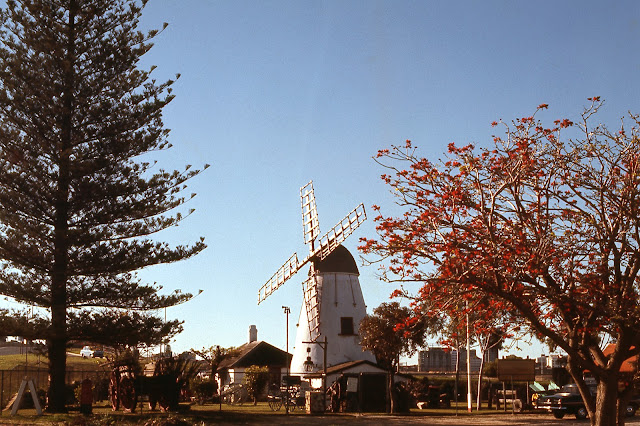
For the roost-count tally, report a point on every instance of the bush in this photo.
(204, 389)
(255, 380)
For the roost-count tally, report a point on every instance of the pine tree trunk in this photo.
(56, 397)
(59, 273)
(57, 343)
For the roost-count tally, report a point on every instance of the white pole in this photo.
(468, 365)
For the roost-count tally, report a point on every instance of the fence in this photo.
(10, 380)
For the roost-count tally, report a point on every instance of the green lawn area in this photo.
(9, 362)
(209, 414)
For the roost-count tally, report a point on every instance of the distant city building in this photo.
(491, 354)
(545, 363)
(439, 359)
(434, 359)
(475, 360)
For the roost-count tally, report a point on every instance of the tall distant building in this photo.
(491, 354)
(439, 359)
(434, 359)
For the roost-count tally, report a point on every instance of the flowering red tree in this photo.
(546, 223)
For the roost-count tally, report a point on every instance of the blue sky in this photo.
(273, 94)
(276, 93)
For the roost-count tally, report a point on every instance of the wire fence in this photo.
(10, 381)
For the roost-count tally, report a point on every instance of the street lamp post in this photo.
(323, 345)
(287, 311)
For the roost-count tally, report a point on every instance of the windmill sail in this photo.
(340, 232)
(326, 244)
(285, 272)
(310, 225)
(312, 304)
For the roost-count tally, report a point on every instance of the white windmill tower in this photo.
(333, 303)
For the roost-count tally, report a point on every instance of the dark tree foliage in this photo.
(214, 355)
(79, 196)
(392, 331)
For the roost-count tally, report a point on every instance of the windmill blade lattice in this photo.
(312, 304)
(310, 224)
(326, 245)
(285, 272)
(340, 232)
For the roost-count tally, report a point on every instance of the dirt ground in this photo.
(236, 418)
(488, 420)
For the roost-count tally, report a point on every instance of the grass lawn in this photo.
(9, 362)
(209, 414)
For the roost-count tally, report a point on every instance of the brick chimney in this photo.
(253, 333)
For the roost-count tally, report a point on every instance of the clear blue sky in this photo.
(276, 93)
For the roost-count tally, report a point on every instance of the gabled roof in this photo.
(257, 353)
(351, 364)
(344, 366)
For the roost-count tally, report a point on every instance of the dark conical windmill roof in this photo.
(340, 260)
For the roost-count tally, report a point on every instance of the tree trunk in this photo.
(607, 404)
(56, 397)
(59, 273)
(605, 410)
(479, 397)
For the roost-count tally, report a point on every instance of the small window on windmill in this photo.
(346, 325)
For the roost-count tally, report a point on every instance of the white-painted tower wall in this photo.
(341, 301)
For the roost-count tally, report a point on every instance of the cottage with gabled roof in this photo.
(254, 352)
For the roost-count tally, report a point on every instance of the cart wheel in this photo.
(239, 396)
(128, 394)
(113, 392)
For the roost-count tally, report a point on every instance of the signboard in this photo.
(523, 370)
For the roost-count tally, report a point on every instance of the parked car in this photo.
(87, 352)
(569, 401)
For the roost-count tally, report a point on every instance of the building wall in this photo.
(235, 375)
(341, 296)
(440, 359)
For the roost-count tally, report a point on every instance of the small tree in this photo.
(392, 331)
(214, 355)
(255, 379)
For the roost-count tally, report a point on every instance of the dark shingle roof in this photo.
(257, 353)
